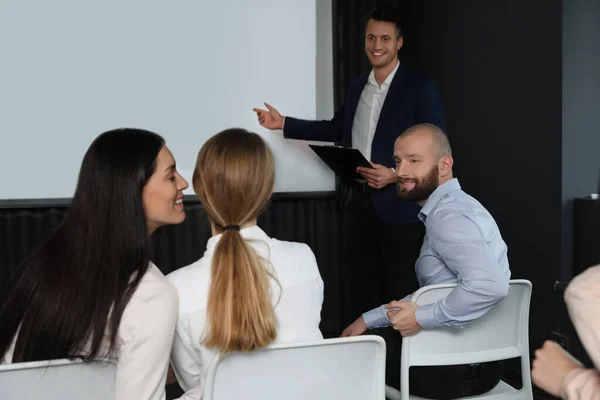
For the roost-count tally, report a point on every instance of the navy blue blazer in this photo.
(412, 98)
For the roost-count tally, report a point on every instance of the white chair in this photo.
(502, 333)
(58, 379)
(331, 369)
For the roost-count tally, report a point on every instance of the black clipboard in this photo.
(342, 160)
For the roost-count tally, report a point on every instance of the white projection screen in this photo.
(71, 69)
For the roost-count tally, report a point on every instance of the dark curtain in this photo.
(20, 231)
(304, 217)
(498, 65)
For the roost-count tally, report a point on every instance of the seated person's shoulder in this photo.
(181, 277)
(192, 284)
(453, 221)
(588, 282)
(155, 284)
(294, 256)
(292, 249)
(451, 210)
(462, 217)
(154, 299)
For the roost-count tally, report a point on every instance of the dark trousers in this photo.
(439, 382)
(380, 267)
(455, 381)
(380, 258)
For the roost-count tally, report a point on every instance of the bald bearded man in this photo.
(462, 245)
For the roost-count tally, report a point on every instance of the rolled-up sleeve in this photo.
(482, 282)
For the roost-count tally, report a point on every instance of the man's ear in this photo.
(445, 165)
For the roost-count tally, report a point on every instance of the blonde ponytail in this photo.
(241, 317)
(234, 179)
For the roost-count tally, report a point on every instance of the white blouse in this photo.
(144, 339)
(297, 300)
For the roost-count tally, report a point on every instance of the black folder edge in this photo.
(342, 160)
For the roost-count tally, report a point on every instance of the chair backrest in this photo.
(332, 369)
(502, 333)
(58, 379)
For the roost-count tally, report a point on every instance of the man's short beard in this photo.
(423, 187)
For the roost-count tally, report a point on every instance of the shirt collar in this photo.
(250, 233)
(388, 81)
(442, 190)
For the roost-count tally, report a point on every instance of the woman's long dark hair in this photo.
(73, 288)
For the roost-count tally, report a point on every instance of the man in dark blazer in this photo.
(384, 233)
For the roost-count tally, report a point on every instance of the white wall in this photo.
(324, 64)
(186, 69)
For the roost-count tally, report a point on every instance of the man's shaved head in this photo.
(438, 137)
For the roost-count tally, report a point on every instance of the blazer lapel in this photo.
(394, 95)
(352, 99)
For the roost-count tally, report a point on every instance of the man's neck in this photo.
(443, 180)
(381, 73)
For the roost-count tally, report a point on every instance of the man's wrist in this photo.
(425, 317)
(376, 318)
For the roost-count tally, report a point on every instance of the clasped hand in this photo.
(377, 177)
(403, 318)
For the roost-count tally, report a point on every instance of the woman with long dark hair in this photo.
(89, 290)
(248, 290)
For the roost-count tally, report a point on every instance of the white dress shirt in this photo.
(367, 112)
(297, 300)
(144, 339)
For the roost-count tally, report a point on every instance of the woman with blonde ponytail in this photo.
(248, 290)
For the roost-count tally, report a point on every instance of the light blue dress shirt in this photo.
(462, 245)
